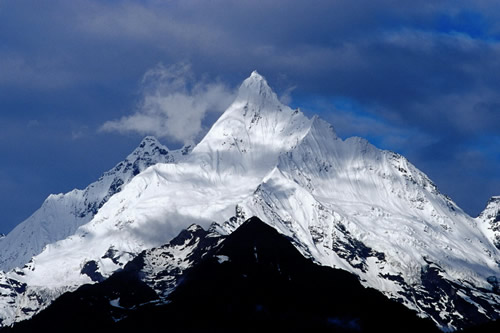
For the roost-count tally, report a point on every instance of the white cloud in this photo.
(286, 96)
(173, 104)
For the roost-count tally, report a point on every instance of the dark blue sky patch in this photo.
(465, 22)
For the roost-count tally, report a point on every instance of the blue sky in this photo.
(420, 79)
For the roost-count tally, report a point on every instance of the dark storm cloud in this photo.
(388, 55)
(423, 76)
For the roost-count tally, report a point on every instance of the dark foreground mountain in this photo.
(254, 280)
(489, 327)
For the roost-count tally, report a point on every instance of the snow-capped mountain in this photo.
(61, 214)
(344, 203)
(489, 219)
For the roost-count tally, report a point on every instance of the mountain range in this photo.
(363, 217)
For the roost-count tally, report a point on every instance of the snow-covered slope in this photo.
(61, 214)
(489, 220)
(248, 138)
(344, 203)
(348, 204)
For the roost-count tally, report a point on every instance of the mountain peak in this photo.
(61, 214)
(254, 130)
(256, 90)
(149, 141)
(148, 146)
(255, 73)
(492, 207)
(490, 218)
(495, 198)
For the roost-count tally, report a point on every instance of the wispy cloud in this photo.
(173, 104)
(286, 96)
